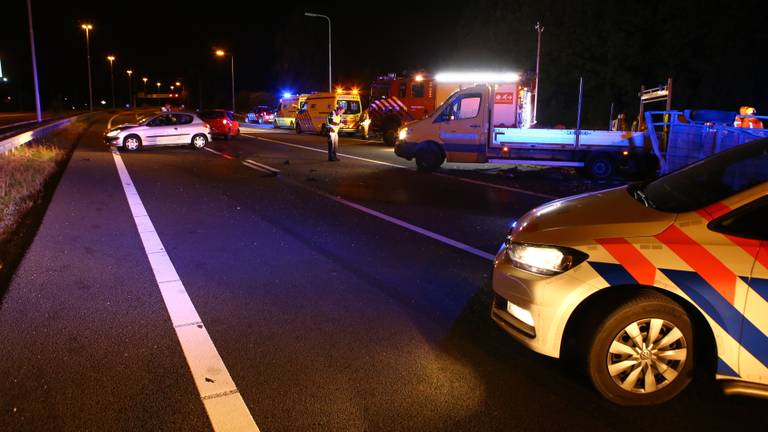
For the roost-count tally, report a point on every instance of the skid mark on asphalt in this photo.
(225, 407)
(463, 179)
(375, 213)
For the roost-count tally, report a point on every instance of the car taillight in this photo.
(206, 126)
(226, 121)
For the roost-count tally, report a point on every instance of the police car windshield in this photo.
(350, 106)
(708, 181)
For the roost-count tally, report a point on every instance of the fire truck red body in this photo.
(397, 99)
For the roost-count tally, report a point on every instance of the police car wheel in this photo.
(642, 354)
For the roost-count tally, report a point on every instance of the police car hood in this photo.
(583, 218)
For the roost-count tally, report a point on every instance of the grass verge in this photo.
(28, 177)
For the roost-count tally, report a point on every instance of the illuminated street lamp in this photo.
(88, 28)
(130, 93)
(111, 59)
(158, 86)
(310, 14)
(221, 53)
(145, 79)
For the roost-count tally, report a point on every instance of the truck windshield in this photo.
(708, 181)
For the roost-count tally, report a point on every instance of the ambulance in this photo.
(313, 112)
(646, 285)
(287, 110)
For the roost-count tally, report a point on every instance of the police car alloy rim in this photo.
(647, 355)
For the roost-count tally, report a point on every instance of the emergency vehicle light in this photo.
(286, 95)
(478, 77)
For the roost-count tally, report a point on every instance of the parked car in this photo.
(223, 123)
(639, 285)
(167, 128)
(261, 115)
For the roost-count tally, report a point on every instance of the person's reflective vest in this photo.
(334, 120)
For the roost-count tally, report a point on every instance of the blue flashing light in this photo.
(286, 95)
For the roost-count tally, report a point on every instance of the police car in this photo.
(642, 285)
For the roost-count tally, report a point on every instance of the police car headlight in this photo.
(402, 134)
(543, 259)
(113, 133)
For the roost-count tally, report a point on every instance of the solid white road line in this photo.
(394, 220)
(226, 409)
(324, 151)
(406, 225)
(464, 179)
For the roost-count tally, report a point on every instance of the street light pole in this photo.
(34, 62)
(130, 93)
(88, 28)
(539, 30)
(112, 77)
(145, 79)
(330, 79)
(221, 53)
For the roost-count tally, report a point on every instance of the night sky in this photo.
(714, 52)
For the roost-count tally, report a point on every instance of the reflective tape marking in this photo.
(631, 258)
(720, 277)
(225, 407)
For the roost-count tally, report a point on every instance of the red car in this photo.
(261, 115)
(222, 122)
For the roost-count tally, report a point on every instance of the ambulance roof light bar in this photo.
(478, 77)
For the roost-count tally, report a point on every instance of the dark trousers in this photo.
(333, 145)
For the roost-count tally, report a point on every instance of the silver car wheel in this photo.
(131, 143)
(199, 141)
(647, 355)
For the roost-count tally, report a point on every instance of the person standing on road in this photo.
(334, 123)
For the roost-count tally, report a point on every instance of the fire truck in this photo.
(399, 98)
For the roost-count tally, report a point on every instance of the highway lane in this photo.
(328, 318)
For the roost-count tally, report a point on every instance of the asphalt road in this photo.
(340, 296)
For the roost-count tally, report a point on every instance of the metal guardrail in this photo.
(22, 138)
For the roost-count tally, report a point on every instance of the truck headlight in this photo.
(543, 259)
(113, 133)
(402, 134)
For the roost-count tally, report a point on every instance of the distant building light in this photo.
(103, 102)
(477, 77)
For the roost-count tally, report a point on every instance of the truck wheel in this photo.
(429, 158)
(642, 354)
(600, 166)
(389, 137)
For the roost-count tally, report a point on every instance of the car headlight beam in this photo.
(544, 259)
